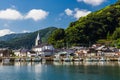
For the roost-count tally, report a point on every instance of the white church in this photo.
(42, 49)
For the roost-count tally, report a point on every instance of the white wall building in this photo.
(42, 49)
(16, 52)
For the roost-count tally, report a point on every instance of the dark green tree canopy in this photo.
(57, 38)
(116, 34)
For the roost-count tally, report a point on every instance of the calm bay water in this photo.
(60, 71)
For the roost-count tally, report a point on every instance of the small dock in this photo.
(32, 59)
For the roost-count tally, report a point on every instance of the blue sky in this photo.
(17, 16)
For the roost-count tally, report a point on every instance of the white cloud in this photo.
(10, 14)
(81, 13)
(36, 14)
(92, 2)
(5, 32)
(77, 13)
(69, 12)
(25, 31)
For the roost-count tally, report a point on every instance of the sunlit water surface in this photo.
(60, 71)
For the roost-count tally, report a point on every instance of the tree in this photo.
(57, 38)
(116, 34)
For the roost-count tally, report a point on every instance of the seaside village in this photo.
(46, 52)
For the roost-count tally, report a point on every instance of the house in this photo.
(16, 52)
(4, 52)
(47, 52)
(103, 50)
(64, 52)
(21, 52)
(82, 52)
(42, 48)
(31, 54)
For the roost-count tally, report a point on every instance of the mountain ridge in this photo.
(24, 40)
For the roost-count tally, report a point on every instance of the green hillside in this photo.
(25, 40)
(11, 36)
(95, 27)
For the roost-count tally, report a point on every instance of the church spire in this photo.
(38, 40)
(38, 36)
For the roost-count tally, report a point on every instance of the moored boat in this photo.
(17, 59)
(77, 59)
(6, 60)
(88, 59)
(119, 59)
(28, 59)
(36, 59)
(67, 58)
(95, 59)
(102, 59)
(56, 58)
(22, 59)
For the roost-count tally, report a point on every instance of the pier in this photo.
(40, 59)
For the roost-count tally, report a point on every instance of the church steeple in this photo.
(38, 40)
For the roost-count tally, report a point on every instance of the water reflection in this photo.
(60, 71)
(88, 63)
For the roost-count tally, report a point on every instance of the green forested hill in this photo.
(26, 40)
(11, 36)
(93, 27)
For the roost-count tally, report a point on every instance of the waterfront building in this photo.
(107, 51)
(17, 52)
(64, 54)
(31, 53)
(81, 52)
(4, 52)
(42, 49)
(21, 52)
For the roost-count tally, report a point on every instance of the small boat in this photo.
(119, 59)
(67, 58)
(22, 59)
(6, 60)
(28, 59)
(43, 61)
(36, 59)
(78, 59)
(107, 59)
(88, 60)
(95, 59)
(102, 59)
(17, 60)
(56, 58)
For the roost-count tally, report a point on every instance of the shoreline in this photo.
(85, 59)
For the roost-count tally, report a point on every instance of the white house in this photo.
(16, 52)
(20, 52)
(31, 54)
(42, 49)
